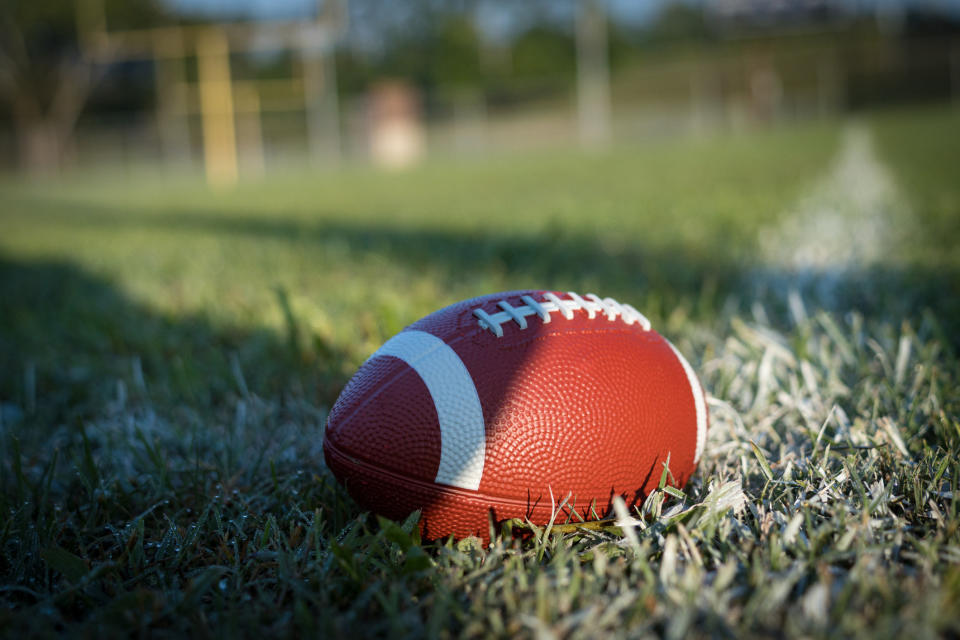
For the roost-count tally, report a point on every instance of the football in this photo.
(503, 406)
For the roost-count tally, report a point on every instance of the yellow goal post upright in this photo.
(230, 109)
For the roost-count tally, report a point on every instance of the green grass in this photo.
(169, 354)
(923, 151)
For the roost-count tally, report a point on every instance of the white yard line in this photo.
(852, 217)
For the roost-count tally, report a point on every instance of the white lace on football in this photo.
(609, 308)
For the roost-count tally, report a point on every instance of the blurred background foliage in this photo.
(479, 75)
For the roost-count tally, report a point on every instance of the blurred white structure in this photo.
(593, 75)
(395, 127)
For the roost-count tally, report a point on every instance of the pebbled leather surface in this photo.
(587, 407)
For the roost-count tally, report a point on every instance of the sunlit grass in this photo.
(169, 355)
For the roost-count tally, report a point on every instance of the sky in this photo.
(498, 16)
(630, 10)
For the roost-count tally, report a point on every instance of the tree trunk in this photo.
(44, 127)
(39, 145)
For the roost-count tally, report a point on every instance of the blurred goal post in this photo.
(228, 106)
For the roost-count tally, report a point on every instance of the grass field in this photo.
(169, 355)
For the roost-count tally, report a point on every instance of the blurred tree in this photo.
(459, 44)
(44, 78)
(544, 50)
(677, 22)
(441, 49)
(437, 44)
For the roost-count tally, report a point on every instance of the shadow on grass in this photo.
(69, 339)
(121, 430)
(643, 270)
